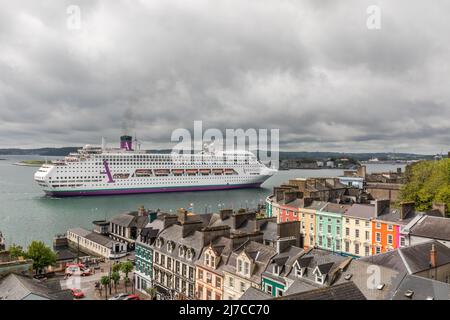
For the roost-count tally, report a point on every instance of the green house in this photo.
(329, 227)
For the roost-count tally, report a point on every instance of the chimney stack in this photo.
(182, 215)
(152, 215)
(141, 211)
(225, 213)
(433, 256)
(406, 208)
(361, 172)
(381, 206)
(441, 207)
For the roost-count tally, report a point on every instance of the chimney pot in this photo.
(433, 256)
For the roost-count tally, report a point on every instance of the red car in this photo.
(132, 297)
(77, 293)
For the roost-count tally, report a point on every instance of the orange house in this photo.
(386, 227)
(385, 236)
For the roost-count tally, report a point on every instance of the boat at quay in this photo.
(96, 170)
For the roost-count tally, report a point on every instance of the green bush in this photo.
(427, 182)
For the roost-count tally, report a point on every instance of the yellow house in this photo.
(307, 218)
(357, 230)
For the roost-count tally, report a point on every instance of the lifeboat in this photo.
(191, 171)
(205, 171)
(121, 175)
(177, 172)
(230, 171)
(143, 172)
(162, 172)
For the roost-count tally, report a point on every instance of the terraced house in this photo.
(357, 230)
(244, 269)
(274, 280)
(386, 226)
(329, 227)
(176, 249)
(143, 273)
(209, 269)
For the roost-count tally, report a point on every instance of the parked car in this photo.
(119, 296)
(132, 297)
(77, 269)
(77, 293)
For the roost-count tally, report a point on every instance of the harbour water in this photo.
(26, 214)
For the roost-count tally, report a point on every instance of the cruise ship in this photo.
(112, 171)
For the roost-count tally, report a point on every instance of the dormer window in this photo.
(181, 251)
(276, 270)
(320, 279)
(299, 272)
(189, 254)
(319, 275)
(213, 261)
(207, 259)
(170, 246)
(159, 243)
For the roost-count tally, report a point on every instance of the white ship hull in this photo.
(94, 171)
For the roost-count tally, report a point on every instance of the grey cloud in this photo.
(310, 68)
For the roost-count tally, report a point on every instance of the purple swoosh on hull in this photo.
(107, 171)
(148, 190)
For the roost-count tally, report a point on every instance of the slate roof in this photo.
(17, 287)
(174, 233)
(344, 291)
(432, 227)
(359, 271)
(411, 259)
(393, 215)
(422, 289)
(260, 254)
(269, 229)
(325, 268)
(316, 205)
(335, 208)
(284, 260)
(79, 231)
(130, 219)
(100, 239)
(93, 236)
(417, 257)
(328, 263)
(255, 294)
(223, 247)
(390, 259)
(365, 211)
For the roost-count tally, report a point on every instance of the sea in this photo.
(26, 214)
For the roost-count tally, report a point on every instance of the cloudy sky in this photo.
(312, 69)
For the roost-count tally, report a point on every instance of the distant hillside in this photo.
(356, 156)
(283, 154)
(39, 152)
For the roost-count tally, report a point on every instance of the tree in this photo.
(105, 280)
(41, 255)
(427, 182)
(16, 251)
(151, 292)
(126, 268)
(116, 267)
(115, 277)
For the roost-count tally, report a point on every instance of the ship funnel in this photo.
(126, 142)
